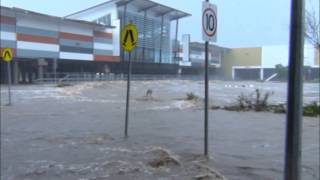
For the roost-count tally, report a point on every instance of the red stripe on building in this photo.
(77, 37)
(14, 52)
(7, 20)
(102, 58)
(39, 39)
(102, 34)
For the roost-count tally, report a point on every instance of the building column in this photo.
(161, 36)
(154, 46)
(261, 74)
(122, 24)
(40, 73)
(54, 69)
(16, 72)
(177, 43)
(41, 64)
(233, 74)
(144, 34)
(23, 72)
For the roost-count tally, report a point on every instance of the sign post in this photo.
(129, 41)
(209, 33)
(7, 56)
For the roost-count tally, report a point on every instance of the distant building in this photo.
(197, 54)
(88, 40)
(193, 56)
(38, 40)
(258, 63)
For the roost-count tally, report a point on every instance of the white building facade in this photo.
(260, 62)
(153, 21)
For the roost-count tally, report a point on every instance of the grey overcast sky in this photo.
(242, 23)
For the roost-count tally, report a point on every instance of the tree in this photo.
(282, 72)
(312, 32)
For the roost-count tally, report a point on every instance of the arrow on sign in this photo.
(129, 37)
(129, 33)
(7, 55)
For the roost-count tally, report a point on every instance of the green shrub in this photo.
(215, 107)
(311, 110)
(234, 108)
(191, 96)
(257, 103)
(278, 109)
(61, 85)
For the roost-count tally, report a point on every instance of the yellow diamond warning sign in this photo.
(7, 54)
(129, 37)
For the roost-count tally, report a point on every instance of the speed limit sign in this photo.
(209, 22)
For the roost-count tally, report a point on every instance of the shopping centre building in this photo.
(88, 40)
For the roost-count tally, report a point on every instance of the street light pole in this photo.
(295, 91)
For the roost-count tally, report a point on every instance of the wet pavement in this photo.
(77, 132)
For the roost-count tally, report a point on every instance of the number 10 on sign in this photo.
(209, 22)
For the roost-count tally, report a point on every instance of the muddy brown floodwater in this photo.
(77, 132)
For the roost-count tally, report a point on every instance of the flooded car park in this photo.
(77, 132)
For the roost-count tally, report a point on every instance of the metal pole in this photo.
(9, 82)
(128, 95)
(206, 103)
(206, 92)
(294, 114)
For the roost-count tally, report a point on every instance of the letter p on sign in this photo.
(209, 22)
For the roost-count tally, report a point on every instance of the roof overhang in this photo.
(158, 9)
(143, 5)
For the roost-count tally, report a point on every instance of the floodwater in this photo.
(76, 132)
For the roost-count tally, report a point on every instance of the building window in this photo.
(199, 53)
(105, 20)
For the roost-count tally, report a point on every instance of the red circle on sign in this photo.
(215, 20)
